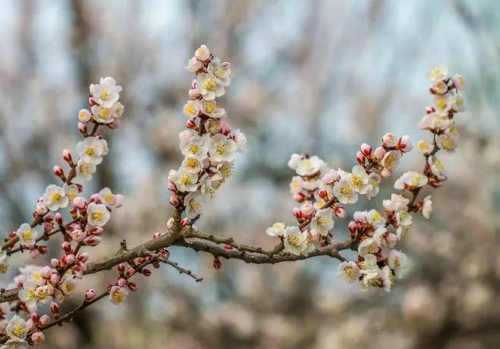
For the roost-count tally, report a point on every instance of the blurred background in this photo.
(308, 76)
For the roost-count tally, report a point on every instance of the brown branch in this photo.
(182, 270)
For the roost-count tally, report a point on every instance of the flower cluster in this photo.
(323, 192)
(379, 263)
(39, 285)
(209, 145)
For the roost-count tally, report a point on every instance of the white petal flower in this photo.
(396, 203)
(15, 343)
(439, 72)
(106, 93)
(18, 328)
(209, 86)
(322, 222)
(210, 109)
(398, 262)
(71, 190)
(27, 235)
(344, 190)
(202, 53)
(437, 121)
(309, 166)
(97, 214)
(102, 115)
(456, 103)
(437, 167)
(194, 65)
(373, 187)
(387, 278)
(109, 199)
(192, 165)
(84, 172)
(349, 271)
(410, 180)
(193, 203)
(459, 81)
(375, 218)
(359, 179)
(84, 115)
(193, 145)
(424, 147)
(184, 181)
(277, 229)
(295, 241)
(427, 207)
(294, 161)
(391, 160)
(192, 108)
(221, 71)
(221, 148)
(448, 139)
(241, 140)
(55, 197)
(91, 150)
(368, 246)
(117, 110)
(117, 294)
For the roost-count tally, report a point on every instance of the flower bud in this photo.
(44, 320)
(43, 249)
(95, 198)
(54, 278)
(404, 144)
(190, 123)
(217, 264)
(366, 149)
(89, 294)
(82, 128)
(54, 308)
(185, 221)
(360, 158)
(79, 202)
(115, 124)
(379, 153)
(83, 257)
(66, 246)
(41, 209)
(37, 337)
(340, 212)
(386, 172)
(307, 209)
(121, 267)
(194, 93)
(92, 240)
(122, 282)
(171, 186)
(96, 231)
(69, 258)
(430, 110)
(388, 140)
(297, 213)
(34, 317)
(170, 223)
(156, 235)
(67, 157)
(132, 286)
(58, 218)
(174, 201)
(146, 272)
(58, 171)
(92, 101)
(353, 228)
(299, 197)
(225, 129)
(130, 272)
(54, 262)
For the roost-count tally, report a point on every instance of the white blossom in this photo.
(209, 86)
(92, 149)
(55, 197)
(349, 271)
(18, 328)
(118, 294)
(193, 203)
(192, 108)
(277, 229)
(398, 262)
(439, 72)
(396, 203)
(359, 179)
(109, 199)
(97, 214)
(375, 218)
(322, 222)
(221, 71)
(410, 180)
(295, 241)
(84, 172)
(192, 144)
(202, 53)
(221, 148)
(106, 93)
(183, 180)
(344, 190)
(368, 246)
(437, 167)
(27, 235)
(102, 115)
(308, 166)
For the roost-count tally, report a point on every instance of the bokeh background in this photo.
(308, 76)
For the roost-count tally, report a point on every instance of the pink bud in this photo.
(171, 186)
(79, 202)
(82, 128)
(115, 124)
(69, 258)
(297, 212)
(54, 278)
(430, 110)
(34, 317)
(92, 240)
(41, 209)
(58, 171)
(174, 201)
(37, 337)
(156, 235)
(366, 149)
(340, 212)
(299, 197)
(404, 144)
(194, 93)
(89, 294)
(132, 286)
(34, 253)
(146, 272)
(96, 231)
(92, 101)
(190, 123)
(185, 221)
(360, 158)
(392, 240)
(54, 262)
(386, 172)
(121, 267)
(353, 227)
(83, 257)
(122, 282)
(225, 129)
(388, 140)
(44, 320)
(379, 153)
(95, 198)
(67, 156)
(43, 249)
(58, 218)
(66, 246)
(54, 308)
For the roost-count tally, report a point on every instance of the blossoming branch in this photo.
(209, 146)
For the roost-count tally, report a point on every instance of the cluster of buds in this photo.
(386, 157)
(209, 145)
(53, 283)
